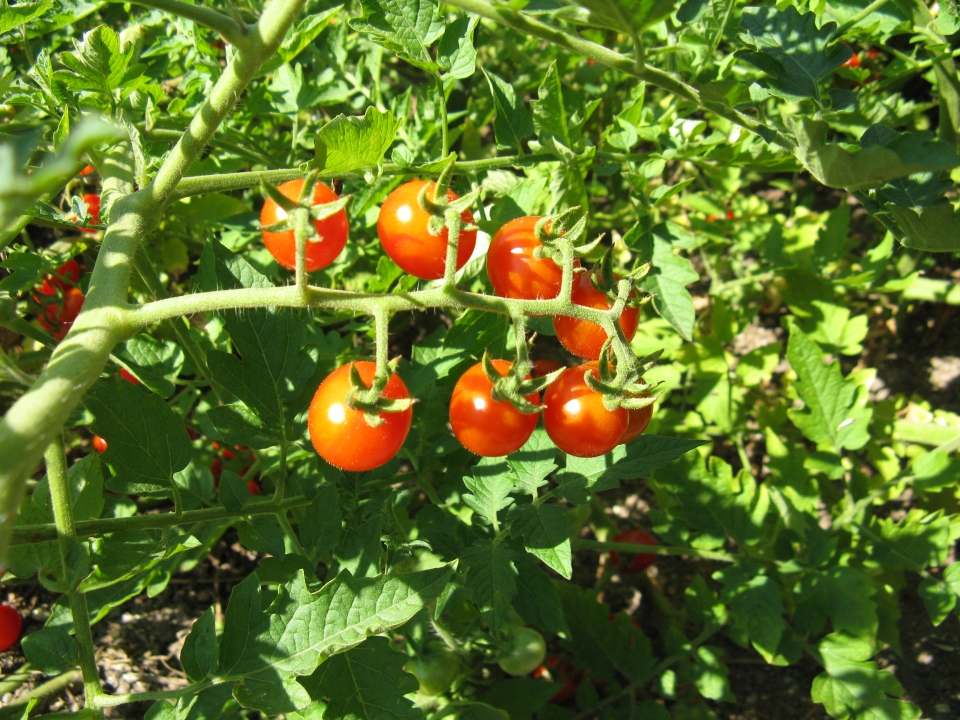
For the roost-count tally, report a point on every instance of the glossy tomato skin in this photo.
(93, 210)
(545, 367)
(253, 486)
(583, 338)
(282, 245)
(637, 421)
(527, 651)
(341, 435)
(514, 271)
(482, 425)
(402, 227)
(99, 444)
(10, 626)
(640, 561)
(575, 418)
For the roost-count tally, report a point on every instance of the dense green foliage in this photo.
(784, 170)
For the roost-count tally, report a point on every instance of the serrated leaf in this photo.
(99, 62)
(147, 442)
(832, 415)
(512, 122)
(156, 363)
(239, 425)
(20, 14)
(367, 682)
(489, 494)
(616, 14)
(456, 55)
(792, 49)
(841, 593)
(201, 648)
(348, 144)
(755, 605)
(537, 601)
(50, 650)
(549, 112)
(532, 463)
(545, 531)
(491, 578)
(261, 534)
(406, 27)
(320, 527)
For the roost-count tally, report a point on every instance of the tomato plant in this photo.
(317, 489)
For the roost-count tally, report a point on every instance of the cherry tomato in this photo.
(342, 436)
(526, 652)
(10, 626)
(565, 674)
(640, 561)
(128, 376)
(216, 468)
(545, 367)
(483, 425)
(402, 227)
(253, 487)
(712, 218)
(582, 337)
(575, 418)
(436, 672)
(283, 246)
(872, 53)
(59, 318)
(853, 61)
(87, 170)
(730, 215)
(93, 210)
(637, 421)
(514, 271)
(99, 444)
(69, 272)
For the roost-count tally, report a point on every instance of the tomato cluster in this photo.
(60, 299)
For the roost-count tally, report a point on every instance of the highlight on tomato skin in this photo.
(99, 444)
(575, 418)
(513, 269)
(333, 230)
(583, 338)
(342, 436)
(402, 227)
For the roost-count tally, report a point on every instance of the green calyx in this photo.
(442, 212)
(516, 385)
(369, 399)
(555, 233)
(622, 385)
(302, 213)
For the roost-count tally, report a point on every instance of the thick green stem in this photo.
(62, 503)
(444, 124)
(35, 420)
(229, 29)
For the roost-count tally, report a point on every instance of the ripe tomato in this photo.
(402, 227)
(59, 318)
(436, 672)
(283, 246)
(514, 271)
(86, 170)
(582, 337)
(575, 418)
(216, 469)
(853, 61)
(341, 435)
(526, 652)
(637, 421)
(128, 376)
(253, 487)
(545, 367)
(93, 210)
(730, 215)
(10, 626)
(99, 444)
(640, 561)
(560, 673)
(483, 425)
(69, 271)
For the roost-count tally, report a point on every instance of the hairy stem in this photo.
(229, 29)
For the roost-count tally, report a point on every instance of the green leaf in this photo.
(616, 14)
(919, 539)
(271, 692)
(406, 27)
(669, 275)
(21, 13)
(147, 442)
(491, 578)
(300, 627)
(201, 648)
(545, 531)
(456, 55)
(367, 682)
(602, 646)
(99, 63)
(755, 605)
(234, 493)
(792, 49)
(537, 600)
(549, 112)
(156, 363)
(512, 122)
(710, 674)
(582, 476)
(488, 494)
(86, 491)
(833, 415)
(321, 524)
(239, 425)
(850, 687)
(938, 597)
(884, 157)
(50, 650)
(520, 697)
(531, 464)
(300, 38)
(348, 144)
(261, 534)
(166, 710)
(840, 593)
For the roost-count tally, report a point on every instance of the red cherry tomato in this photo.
(514, 271)
(483, 425)
(565, 674)
(93, 210)
(283, 246)
(253, 487)
(872, 54)
(575, 418)
(87, 170)
(637, 421)
(99, 444)
(712, 218)
(10, 626)
(59, 318)
(853, 61)
(216, 468)
(545, 367)
(730, 215)
(403, 231)
(640, 561)
(582, 337)
(69, 272)
(342, 436)
(128, 376)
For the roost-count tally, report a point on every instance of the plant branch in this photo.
(233, 31)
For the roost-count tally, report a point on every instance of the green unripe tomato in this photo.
(526, 653)
(436, 672)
